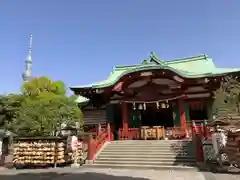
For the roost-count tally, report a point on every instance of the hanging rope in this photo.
(157, 101)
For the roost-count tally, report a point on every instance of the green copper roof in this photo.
(191, 67)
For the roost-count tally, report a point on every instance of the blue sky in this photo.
(79, 41)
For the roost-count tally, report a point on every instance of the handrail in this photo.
(197, 131)
(197, 136)
(129, 134)
(101, 139)
(94, 145)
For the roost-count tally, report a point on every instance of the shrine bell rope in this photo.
(149, 102)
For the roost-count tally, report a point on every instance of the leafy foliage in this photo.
(231, 87)
(40, 109)
(227, 97)
(9, 106)
(43, 84)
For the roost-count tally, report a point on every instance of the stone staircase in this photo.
(162, 154)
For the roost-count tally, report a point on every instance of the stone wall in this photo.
(208, 151)
(233, 147)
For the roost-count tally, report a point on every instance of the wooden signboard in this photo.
(155, 132)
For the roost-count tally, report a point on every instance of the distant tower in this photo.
(28, 62)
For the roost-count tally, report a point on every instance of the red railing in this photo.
(198, 131)
(129, 134)
(201, 128)
(172, 133)
(97, 129)
(94, 145)
(175, 133)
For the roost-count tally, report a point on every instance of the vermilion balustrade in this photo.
(94, 145)
(129, 134)
(198, 131)
(97, 129)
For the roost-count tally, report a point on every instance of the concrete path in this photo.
(109, 174)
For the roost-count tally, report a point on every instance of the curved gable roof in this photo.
(190, 67)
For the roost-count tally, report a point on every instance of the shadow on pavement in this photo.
(64, 176)
(224, 170)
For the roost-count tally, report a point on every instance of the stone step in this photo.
(150, 147)
(157, 143)
(135, 159)
(143, 166)
(153, 163)
(147, 156)
(152, 142)
(169, 140)
(165, 144)
(165, 153)
(145, 150)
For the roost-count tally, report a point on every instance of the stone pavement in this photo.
(110, 174)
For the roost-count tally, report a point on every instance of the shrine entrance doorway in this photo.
(162, 116)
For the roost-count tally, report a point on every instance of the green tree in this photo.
(37, 86)
(45, 107)
(227, 97)
(9, 107)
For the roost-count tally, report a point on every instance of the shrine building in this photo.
(153, 93)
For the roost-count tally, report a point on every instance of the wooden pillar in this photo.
(99, 129)
(197, 143)
(183, 123)
(206, 132)
(91, 149)
(1, 152)
(109, 132)
(124, 118)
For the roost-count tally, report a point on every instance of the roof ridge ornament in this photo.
(145, 61)
(154, 58)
